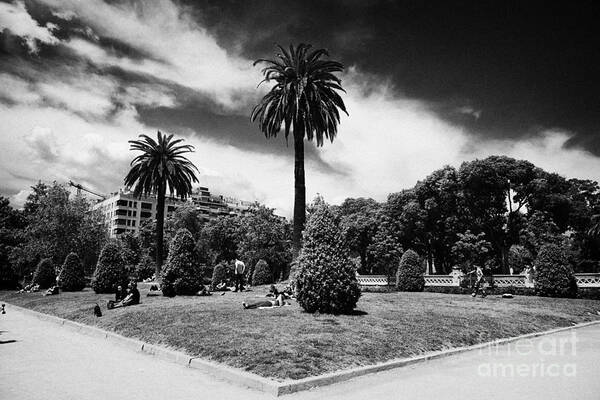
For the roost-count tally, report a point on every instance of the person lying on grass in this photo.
(277, 302)
(132, 298)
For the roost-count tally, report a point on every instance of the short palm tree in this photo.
(161, 165)
(304, 101)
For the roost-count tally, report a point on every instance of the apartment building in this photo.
(124, 212)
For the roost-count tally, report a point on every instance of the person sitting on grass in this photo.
(120, 294)
(277, 302)
(274, 292)
(132, 298)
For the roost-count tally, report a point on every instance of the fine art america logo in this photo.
(549, 356)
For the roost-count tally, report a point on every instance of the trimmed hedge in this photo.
(110, 270)
(222, 273)
(553, 273)
(181, 275)
(44, 274)
(72, 276)
(326, 277)
(262, 274)
(409, 276)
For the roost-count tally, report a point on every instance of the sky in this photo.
(427, 85)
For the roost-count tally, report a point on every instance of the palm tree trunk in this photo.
(160, 224)
(299, 193)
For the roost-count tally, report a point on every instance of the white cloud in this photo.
(386, 144)
(179, 49)
(15, 18)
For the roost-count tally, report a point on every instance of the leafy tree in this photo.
(409, 277)
(11, 225)
(45, 275)
(145, 268)
(519, 258)
(181, 275)
(148, 239)
(304, 100)
(110, 271)
(131, 247)
(408, 219)
(187, 216)
(359, 222)
(438, 196)
(385, 250)
(38, 192)
(539, 230)
(553, 274)
(72, 276)
(471, 250)
(264, 235)
(219, 239)
(161, 165)
(326, 278)
(57, 226)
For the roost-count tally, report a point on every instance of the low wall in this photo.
(381, 282)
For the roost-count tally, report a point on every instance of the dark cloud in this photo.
(522, 66)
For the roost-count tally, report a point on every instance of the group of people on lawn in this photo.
(131, 295)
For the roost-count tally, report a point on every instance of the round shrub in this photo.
(223, 273)
(181, 274)
(44, 274)
(326, 276)
(145, 268)
(71, 277)
(553, 273)
(409, 276)
(262, 274)
(110, 270)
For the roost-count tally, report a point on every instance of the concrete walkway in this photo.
(46, 361)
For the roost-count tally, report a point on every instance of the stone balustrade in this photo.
(454, 279)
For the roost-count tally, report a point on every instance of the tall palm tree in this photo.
(304, 101)
(161, 165)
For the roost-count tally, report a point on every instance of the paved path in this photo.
(46, 361)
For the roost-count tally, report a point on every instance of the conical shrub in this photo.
(110, 271)
(181, 274)
(326, 277)
(44, 274)
(222, 273)
(72, 276)
(262, 274)
(553, 273)
(409, 276)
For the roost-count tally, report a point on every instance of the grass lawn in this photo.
(287, 343)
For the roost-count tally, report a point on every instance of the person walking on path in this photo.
(240, 268)
(479, 283)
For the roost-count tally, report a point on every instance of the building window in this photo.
(122, 203)
(145, 214)
(132, 223)
(135, 204)
(120, 212)
(170, 208)
(135, 213)
(147, 206)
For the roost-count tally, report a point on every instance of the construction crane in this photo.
(80, 188)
